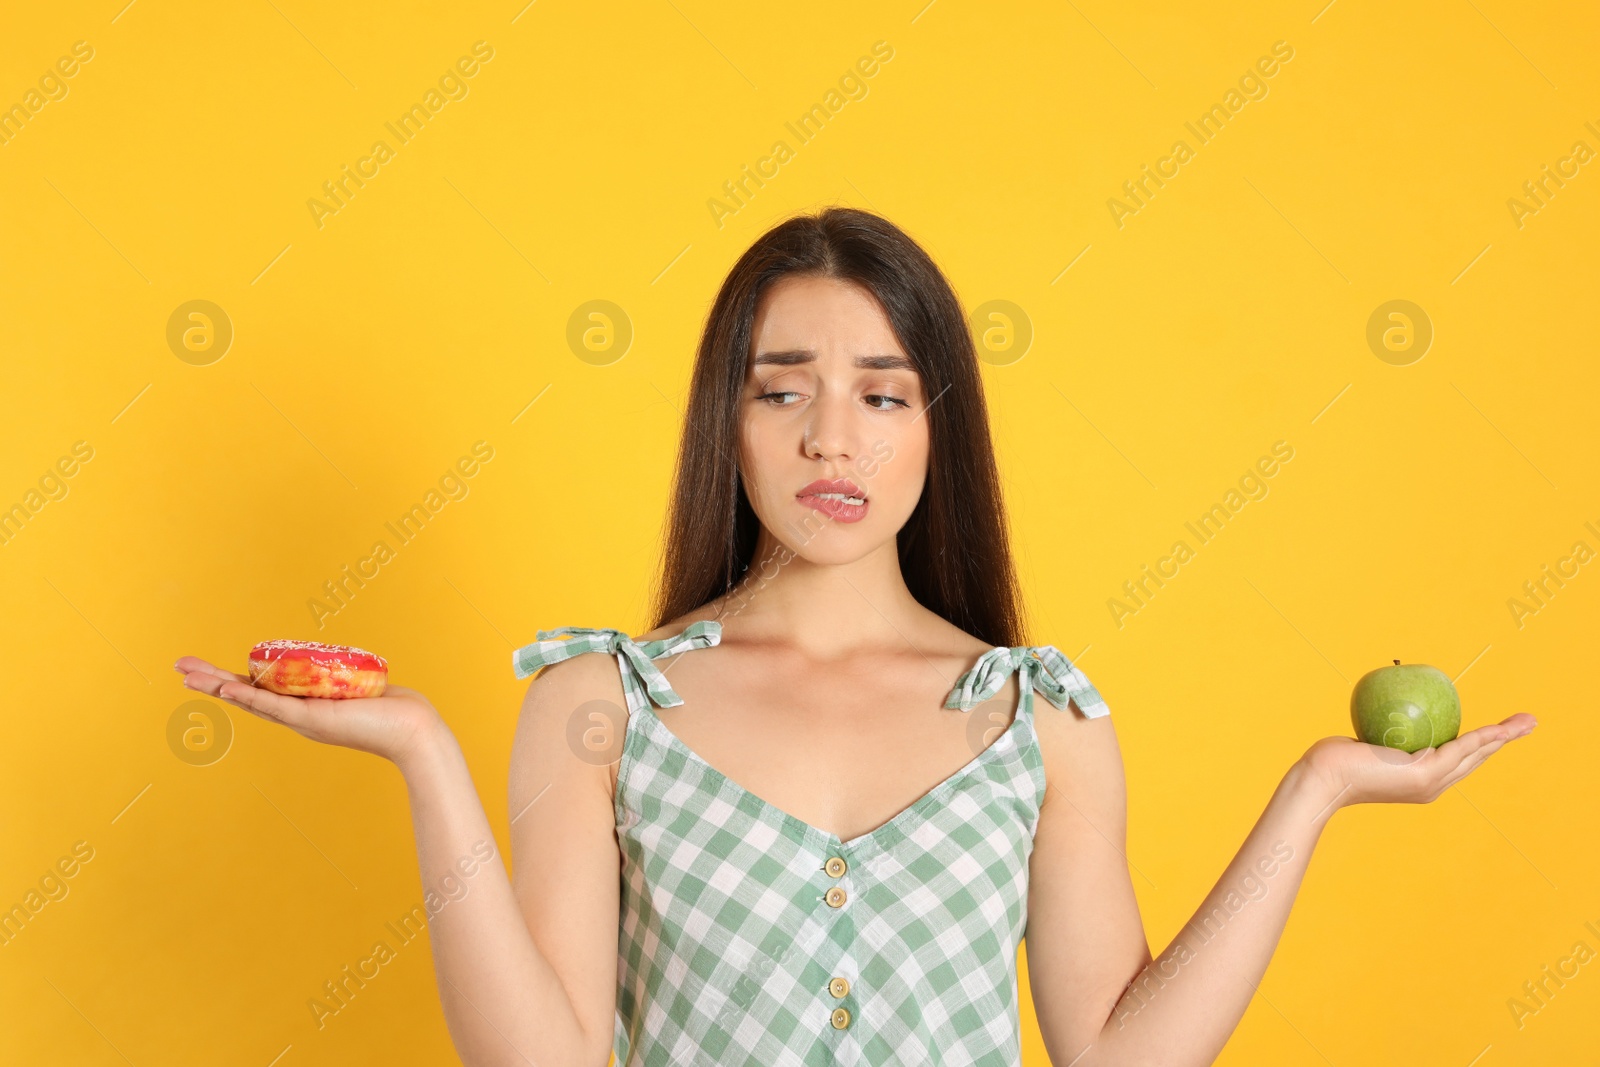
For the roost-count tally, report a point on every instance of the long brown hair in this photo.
(954, 550)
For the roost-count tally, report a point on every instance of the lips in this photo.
(839, 498)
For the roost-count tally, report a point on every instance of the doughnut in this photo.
(313, 669)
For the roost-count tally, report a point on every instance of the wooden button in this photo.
(835, 897)
(839, 986)
(835, 866)
(840, 1018)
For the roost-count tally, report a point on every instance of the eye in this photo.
(771, 398)
(892, 400)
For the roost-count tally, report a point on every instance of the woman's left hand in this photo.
(1355, 772)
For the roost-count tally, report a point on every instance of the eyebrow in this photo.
(796, 356)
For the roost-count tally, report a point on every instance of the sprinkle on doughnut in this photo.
(286, 648)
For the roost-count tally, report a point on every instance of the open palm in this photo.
(1363, 773)
(391, 725)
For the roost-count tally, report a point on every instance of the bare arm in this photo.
(1101, 999)
(515, 985)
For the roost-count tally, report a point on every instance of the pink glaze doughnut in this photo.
(313, 669)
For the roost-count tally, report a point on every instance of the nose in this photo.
(832, 430)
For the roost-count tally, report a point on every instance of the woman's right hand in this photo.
(395, 725)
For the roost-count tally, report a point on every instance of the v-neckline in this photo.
(828, 837)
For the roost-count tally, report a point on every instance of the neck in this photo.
(822, 609)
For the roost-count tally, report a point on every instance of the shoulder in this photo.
(585, 676)
(571, 670)
(954, 640)
(587, 669)
(954, 651)
(557, 690)
(708, 612)
(562, 705)
(1081, 757)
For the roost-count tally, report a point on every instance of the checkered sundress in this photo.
(749, 937)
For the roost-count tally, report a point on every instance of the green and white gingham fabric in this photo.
(727, 941)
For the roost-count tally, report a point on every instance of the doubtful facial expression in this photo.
(833, 441)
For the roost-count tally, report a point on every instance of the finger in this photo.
(1470, 764)
(290, 711)
(195, 665)
(1476, 760)
(1521, 724)
(1511, 726)
(206, 682)
(1455, 752)
(1462, 755)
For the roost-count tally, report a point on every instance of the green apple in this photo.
(1408, 706)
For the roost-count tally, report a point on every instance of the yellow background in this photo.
(372, 352)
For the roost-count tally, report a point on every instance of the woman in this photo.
(841, 627)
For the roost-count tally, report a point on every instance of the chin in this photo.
(827, 543)
(838, 552)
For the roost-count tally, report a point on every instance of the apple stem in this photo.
(1397, 663)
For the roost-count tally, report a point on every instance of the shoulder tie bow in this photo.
(638, 654)
(1042, 667)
